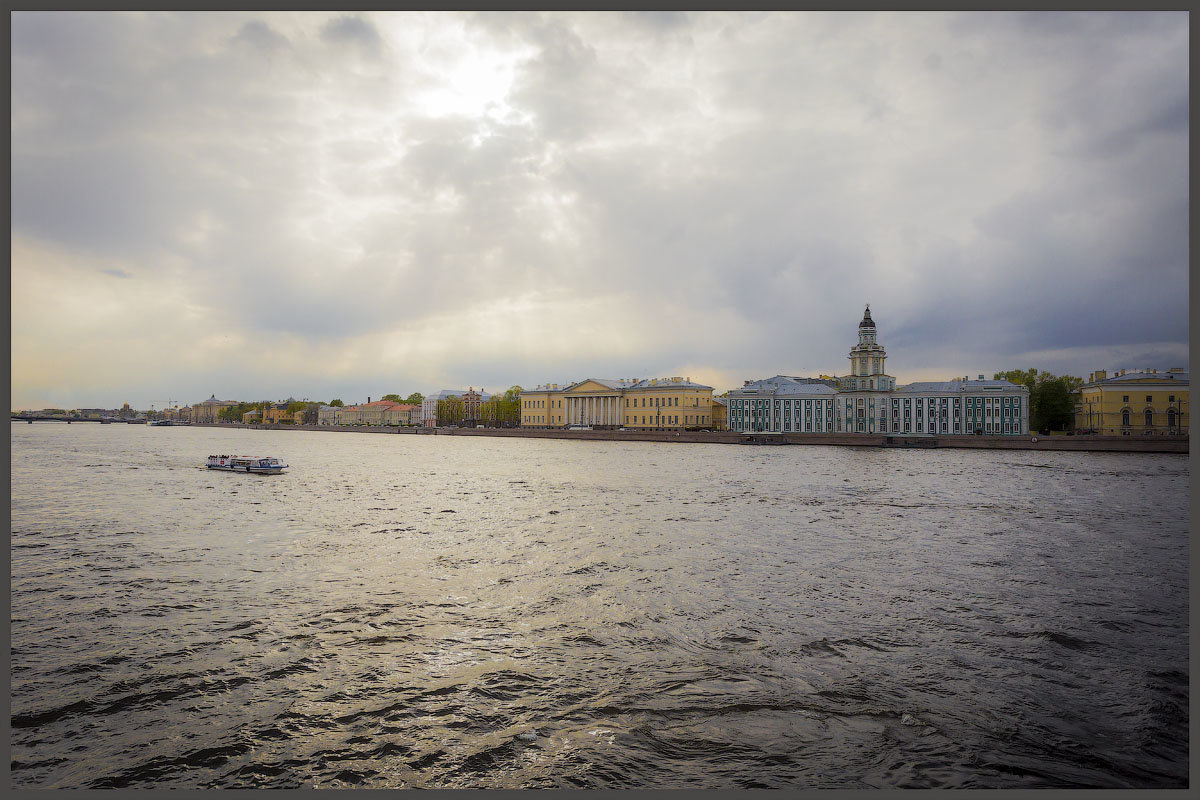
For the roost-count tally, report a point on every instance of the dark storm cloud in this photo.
(353, 31)
(258, 35)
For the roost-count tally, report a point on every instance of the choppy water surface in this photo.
(413, 611)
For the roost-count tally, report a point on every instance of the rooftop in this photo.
(958, 385)
(1177, 376)
(444, 393)
(788, 384)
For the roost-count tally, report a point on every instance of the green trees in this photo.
(1051, 406)
(391, 398)
(235, 413)
(503, 410)
(311, 412)
(450, 411)
(414, 399)
(337, 403)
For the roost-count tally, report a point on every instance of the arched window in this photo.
(1171, 418)
(1149, 418)
(1125, 418)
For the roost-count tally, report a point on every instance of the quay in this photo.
(1116, 444)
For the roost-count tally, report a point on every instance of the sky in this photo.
(316, 205)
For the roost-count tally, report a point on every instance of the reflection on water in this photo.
(412, 611)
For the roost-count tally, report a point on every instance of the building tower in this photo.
(863, 396)
(867, 359)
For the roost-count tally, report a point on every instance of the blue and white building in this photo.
(868, 401)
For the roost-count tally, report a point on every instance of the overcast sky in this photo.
(265, 205)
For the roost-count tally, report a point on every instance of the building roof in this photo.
(667, 383)
(1175, 378)
(789, 385)
(867, 322)
(612, 383)
(956, 386)
(623, 384)
(444, 393)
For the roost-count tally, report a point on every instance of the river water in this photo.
(434, 611)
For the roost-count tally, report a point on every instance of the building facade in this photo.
(470, 398)
(720, 414)
(1146, 403)
(650, 404)
(868, 401)
(276, 413)
(210, 409)
(399, 414)
(328, 415)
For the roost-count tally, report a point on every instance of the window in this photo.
(1171, 418)
(1149, 398)
(1171, 399)
(1125, 418)
(1124, 398)
(1149, 418)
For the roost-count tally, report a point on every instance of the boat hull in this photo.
(256, 470)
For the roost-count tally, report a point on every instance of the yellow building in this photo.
(652, 404)
(276, 413)
(1146, 403)
(209, 410)
(542, 407)
(720, 414)
(251, 417)
(399, 414)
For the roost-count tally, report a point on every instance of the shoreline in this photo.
(1110, 444)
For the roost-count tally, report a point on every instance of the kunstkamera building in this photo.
(869, 401)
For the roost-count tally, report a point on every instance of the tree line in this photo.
(501, 411)
(1051, 407)
(310, 409)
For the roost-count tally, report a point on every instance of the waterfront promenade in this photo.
(1119, 444)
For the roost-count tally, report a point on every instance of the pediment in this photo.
(588, 385)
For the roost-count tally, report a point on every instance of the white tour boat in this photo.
(259, 464)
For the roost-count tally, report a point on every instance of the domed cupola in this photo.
(867, 357)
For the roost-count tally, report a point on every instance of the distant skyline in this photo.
(310, 204)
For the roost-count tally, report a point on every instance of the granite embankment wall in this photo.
(1122, 444)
